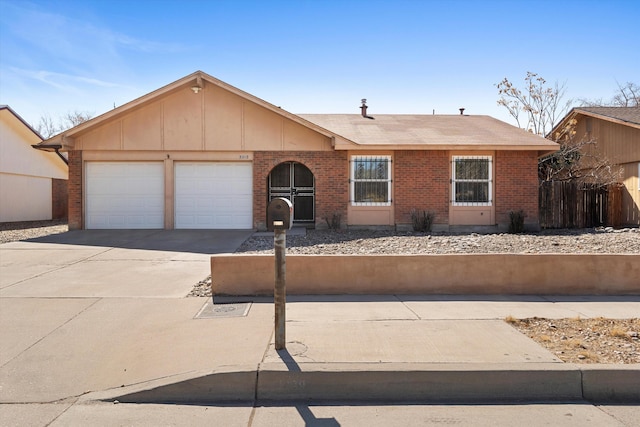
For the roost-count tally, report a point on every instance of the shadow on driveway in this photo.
(191, 241)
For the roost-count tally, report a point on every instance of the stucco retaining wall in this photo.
(558, 274)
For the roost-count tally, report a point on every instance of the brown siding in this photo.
(329, 169)
(620, 144)
(59, 198)
(421, 181)
(516, 185)
(631, 195)
(75, 190)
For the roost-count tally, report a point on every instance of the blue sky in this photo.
(313, 56)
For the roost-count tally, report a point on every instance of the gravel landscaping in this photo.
(15, 231)
(324, 242)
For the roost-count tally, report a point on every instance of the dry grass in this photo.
(576, 340)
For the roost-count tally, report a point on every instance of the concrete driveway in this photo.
(92, 310)
(112, 263)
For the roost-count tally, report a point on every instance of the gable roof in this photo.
(433, 132)
(628, 115)
(195, 79)
(17, 140)
(353, 131)
(17, 116)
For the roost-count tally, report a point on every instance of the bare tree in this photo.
(628, 95)
(537, 107)
(48, 128)
(577, 160)
(45, 127)
(74, 118)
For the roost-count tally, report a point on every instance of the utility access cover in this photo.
(212, 311)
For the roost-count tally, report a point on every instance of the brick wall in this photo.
(59, 198)
(330, 169)
(75, 190)
(516, 185)
(421, 181)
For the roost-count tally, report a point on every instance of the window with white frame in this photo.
(370, 180)
(471, 181)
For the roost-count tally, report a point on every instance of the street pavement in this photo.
(93, 320)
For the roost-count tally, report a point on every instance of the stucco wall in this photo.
(24, 198)
(565, 274)
(26, 174)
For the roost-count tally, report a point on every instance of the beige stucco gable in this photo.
(17, 155)
(213, 118)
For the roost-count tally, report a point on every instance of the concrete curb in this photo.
(392, 382)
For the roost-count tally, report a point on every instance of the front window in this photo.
(370, 180)
(471, 180)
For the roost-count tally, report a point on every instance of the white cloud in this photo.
(66, 82)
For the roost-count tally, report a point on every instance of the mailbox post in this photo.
(280, 219)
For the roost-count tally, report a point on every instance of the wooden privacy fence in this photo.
(576, 205)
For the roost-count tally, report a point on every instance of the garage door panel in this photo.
(125, 195)
(214, 195)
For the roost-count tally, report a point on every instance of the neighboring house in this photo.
(199, 153)
(33, 184)
(616, 132)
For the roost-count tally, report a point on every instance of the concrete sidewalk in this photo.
(405, 348)
(69, 352)
(342, 347)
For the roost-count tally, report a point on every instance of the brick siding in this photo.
(59, 198)
(516, 185)
(75, 190)
(421, 181)
(330, 169)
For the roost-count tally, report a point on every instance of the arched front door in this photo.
(294, 181)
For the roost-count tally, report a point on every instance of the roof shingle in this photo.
(426, 130)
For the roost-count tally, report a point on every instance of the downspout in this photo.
(56, 148)
(64, 159)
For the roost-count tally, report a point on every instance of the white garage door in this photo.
(124, 195)
(213, 195)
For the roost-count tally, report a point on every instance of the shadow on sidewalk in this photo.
(310, 420)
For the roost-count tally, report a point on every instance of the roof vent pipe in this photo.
(461, 111)
(363, 108)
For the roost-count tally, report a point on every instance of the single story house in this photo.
(200, 153)
(33, 184)
(616, 132)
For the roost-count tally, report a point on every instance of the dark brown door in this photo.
(294, 181)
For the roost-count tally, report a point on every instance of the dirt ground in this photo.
(596, 340)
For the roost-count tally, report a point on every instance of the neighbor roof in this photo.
(434, 132)
(627, 116)
(24, 122)
(624, 114)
